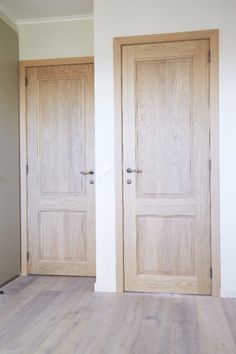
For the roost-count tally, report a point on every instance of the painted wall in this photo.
(9, 155)
(56, 39)
(137, 17)
(228, 145)
(8, 21)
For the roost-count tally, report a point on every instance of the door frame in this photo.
(118, 43)
(23, 66)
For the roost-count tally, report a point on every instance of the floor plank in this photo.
(62, 315)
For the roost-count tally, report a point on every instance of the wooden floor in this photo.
(64, 315)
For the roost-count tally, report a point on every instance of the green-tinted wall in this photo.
(9, 155)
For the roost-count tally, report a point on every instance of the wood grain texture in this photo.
(23, 176)
(23, 142)
(162, 248)
(164, 114)
(41, 314)
(166, 127)
(60, 137)
(215, 171)
(167, 37)
(213, 37)
(63, 236)
(56, 62)
(62, 140)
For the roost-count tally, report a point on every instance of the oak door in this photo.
(166, 167)
(61, 190)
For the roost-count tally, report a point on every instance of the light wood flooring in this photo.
(41, 314)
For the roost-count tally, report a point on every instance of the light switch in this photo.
(107, 170)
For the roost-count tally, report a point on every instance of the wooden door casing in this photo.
(166, 130)
(60, 144)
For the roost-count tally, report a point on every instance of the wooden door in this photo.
(166, 139)
(61, 200)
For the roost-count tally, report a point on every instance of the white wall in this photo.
(56, 39)
(135, 17)
(228, 145)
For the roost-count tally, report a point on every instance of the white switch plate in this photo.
(107, 170)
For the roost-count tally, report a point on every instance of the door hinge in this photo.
(28, 256)
(209, 56)
(26, 81)
(27, 169)
(211, 273)
(209, 165)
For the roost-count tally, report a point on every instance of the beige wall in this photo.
(56, 39)
(9, 155)
(8, 21)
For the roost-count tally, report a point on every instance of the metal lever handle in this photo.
(85, 173)
(136, 170)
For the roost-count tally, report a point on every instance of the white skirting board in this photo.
(106, 288)
(229, 293)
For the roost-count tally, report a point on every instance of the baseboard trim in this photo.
(9, 281)
(105, 288)
(229, 293)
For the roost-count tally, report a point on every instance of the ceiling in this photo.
(38, 9)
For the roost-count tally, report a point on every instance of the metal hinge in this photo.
(209, 165)
(209, 56)
(28, 256)
(211, 273)
(26, 81)
(27, 169)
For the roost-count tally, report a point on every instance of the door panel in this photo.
(159, 83)
(166, 137)
(61, 135)
(165, 239)
(62, 236)
(61, 200)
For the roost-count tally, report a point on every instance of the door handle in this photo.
(136, 170)
(85, 173)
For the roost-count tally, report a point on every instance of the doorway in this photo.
(168, 142)
(60, 172)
